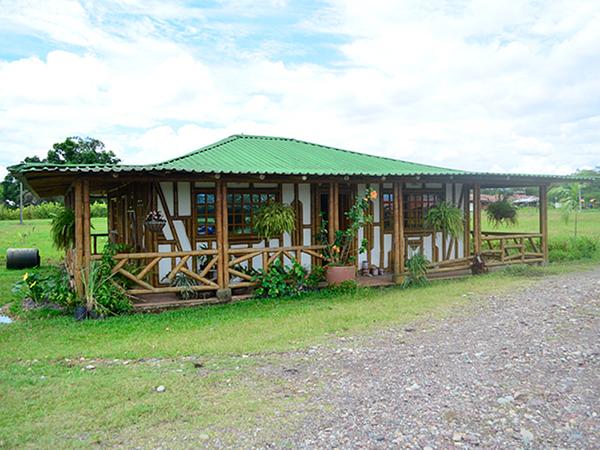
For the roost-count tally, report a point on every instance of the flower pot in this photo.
(155, 225)
(339, 274)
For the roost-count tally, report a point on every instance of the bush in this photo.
(47, 210)
(501, 212)
(53, 287)
(282, 281)
(417, 270)
(571, 249)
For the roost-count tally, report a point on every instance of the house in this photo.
(208, 198)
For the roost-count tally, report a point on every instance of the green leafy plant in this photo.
(446, 218)
(63, 229)
(102, 293)
(52, 287)
(282, 281)
(186, 284)
(572, 248)
(273, 219)
(417, 266)
(502, 212)
(340, 252)
(347, 287)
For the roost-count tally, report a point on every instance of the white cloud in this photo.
(503, 86)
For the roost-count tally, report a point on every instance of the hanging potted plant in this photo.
(342, 261)
(154, 221)
(445, 218)
(502, 212)
(273, 219)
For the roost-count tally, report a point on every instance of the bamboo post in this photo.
(223, 293)
(86, 228)
(398, 233)
(543, 209)
(79, 244)
(477, 218)
(467, 211)
(331, 227)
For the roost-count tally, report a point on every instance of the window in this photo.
(205, 213)
(241, 204)
(416, 205)
(387, 201)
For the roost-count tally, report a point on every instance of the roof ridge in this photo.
(219, 143)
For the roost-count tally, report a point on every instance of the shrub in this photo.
(47, 210)
(571, 249)
(282, 281)
(417, 269)
(102, 293)
(347, 287)
(52, 287)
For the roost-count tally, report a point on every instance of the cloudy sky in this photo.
(511, 85)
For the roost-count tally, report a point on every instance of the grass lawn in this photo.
(49, 399)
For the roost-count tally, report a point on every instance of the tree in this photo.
(77, 150)
(73, 150)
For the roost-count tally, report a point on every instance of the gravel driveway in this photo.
(513, 371)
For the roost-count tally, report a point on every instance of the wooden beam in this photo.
(222, 265)
(398, 233)
(331, 229)
(467, 210)
(543, 208)
(87, 248)
(78, 213)
(477, 218)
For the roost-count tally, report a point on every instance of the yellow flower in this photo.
(335, 249)
(373, 195)
(25, 276)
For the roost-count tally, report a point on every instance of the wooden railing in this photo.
(141, 269)
(500, 248)
(268, 256)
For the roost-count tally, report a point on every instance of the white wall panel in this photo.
(304, 194)
(184, 195)
(167, 188)
(164, 265)
(182, 235)
(168, 233)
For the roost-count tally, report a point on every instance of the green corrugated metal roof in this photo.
(247, 154)
(263, 154)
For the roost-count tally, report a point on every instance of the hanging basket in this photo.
(155, 225)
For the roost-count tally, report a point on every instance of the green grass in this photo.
(48, 400)
(528, 221)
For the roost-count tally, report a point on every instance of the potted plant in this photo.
(342, 261)
(154, 221)
(502, 211)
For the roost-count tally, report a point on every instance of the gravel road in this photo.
(513, 371)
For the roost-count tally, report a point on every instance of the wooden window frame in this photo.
(407, 192)
(387, 228)
(195, 192)
(251, 190)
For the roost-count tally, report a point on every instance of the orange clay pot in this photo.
(339, 274)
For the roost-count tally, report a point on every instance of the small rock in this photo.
(413, 387)
(505, 400)
(203, 437)
(526, 436)
(457, 437)
(90, 367)
(161, 388)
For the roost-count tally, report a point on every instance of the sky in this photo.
(502, 86)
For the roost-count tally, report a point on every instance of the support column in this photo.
(398, 234)
(543, 208)
(467, 212)
(87, 246)
(332, 225)
(477, 218)
(78, 262)
(224, 292)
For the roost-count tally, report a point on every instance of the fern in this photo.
(274, 219)
(446, 218)
(63, 229)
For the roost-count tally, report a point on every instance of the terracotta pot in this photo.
(339, 274)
